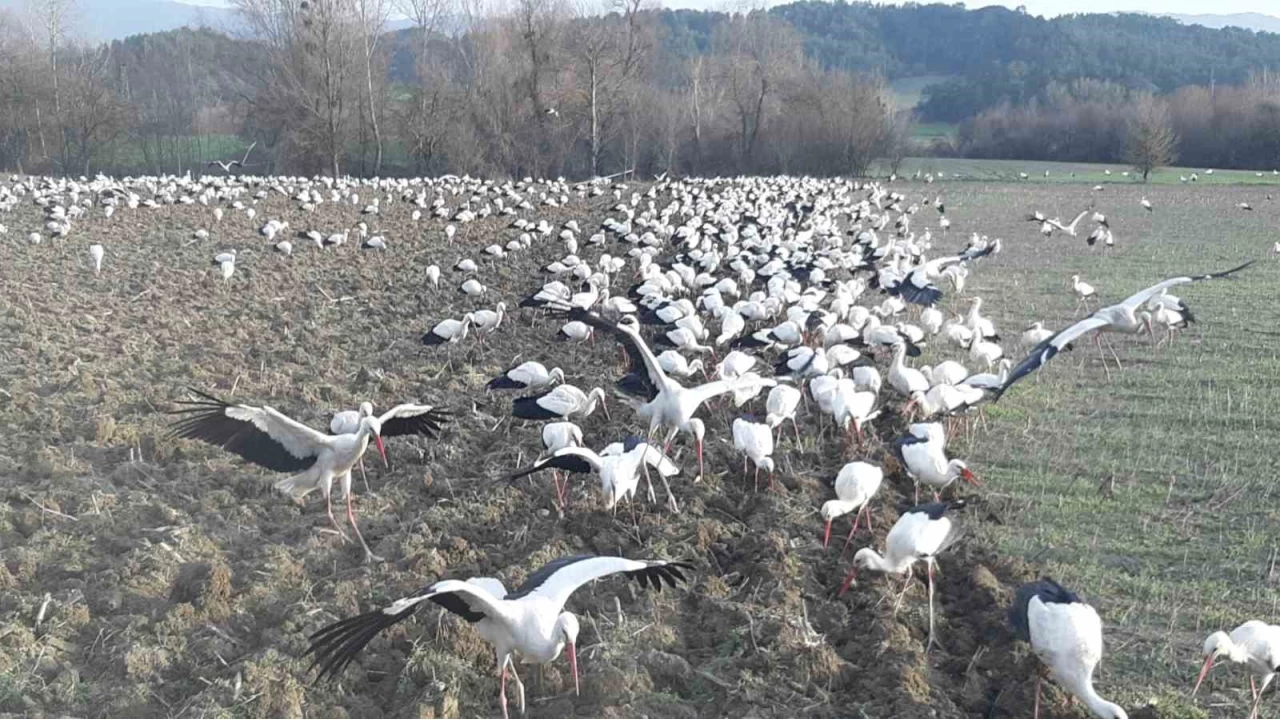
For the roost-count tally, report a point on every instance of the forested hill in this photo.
(994, 53)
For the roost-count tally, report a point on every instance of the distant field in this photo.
(967, 169)
(908, 92)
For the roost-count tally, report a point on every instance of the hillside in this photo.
(1248, 21)
(106, 20)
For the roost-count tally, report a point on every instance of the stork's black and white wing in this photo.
(336, 645)
(1134, 301)
(645, 377)
(1046, 350)
(411, 419)
(261, 435)
(557, 580)
(570, 459)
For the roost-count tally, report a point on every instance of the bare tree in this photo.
(313, 49)
(757, 52)
(611, 50)
(51, 21)
(373, 16)
(1150, 141)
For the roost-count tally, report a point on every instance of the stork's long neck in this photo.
(1082, 686)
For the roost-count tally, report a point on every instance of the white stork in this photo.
(855, 485)
(1066, 634)
(448, 331)
(562, 402)
(426, 420)
(268, 438)
(96, 252)
(529, 375)
(920, 534)
(657, 398)
(528, 625)
(755, 441)
(619, 467)
(926, 462)
(1254, 643)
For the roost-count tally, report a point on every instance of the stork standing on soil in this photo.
(1066, 634)
(529, 624)
(855, 485)
(1255, 644)
(920, 534)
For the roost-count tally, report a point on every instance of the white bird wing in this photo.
(261, 435)
(1134, 301)
(344, 422)
(336, 645)
(1045, 351)
(557, 580)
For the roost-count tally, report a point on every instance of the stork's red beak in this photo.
(853, 575)
(970, 478)
(382, 450)
(605, 407)
(1204, 671)
(826, 536)
(573, 665)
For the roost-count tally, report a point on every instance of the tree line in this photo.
(596, 87)
(540, 87)
(1098, 121)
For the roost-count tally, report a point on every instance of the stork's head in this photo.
(1215, 646)
(597, 395)
(958, 469)
(375, 430)
(831, 510)
(366, 409)
(556, 375)
(567, 624)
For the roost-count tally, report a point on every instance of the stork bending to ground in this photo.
(270, 439)
(920, 534)
(529, 624)
(1123, 317)
(1066, 634)
(1255, 644)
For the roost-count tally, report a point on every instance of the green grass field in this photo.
(1152, 493)
(1058, 172)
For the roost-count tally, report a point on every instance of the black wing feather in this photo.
(335, 646)
(427, 423)
(206, 420)
(539, 576)
(569, 462)
(1048, 591)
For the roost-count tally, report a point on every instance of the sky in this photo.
(1035, 7)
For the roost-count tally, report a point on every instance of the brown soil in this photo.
(178, 583)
